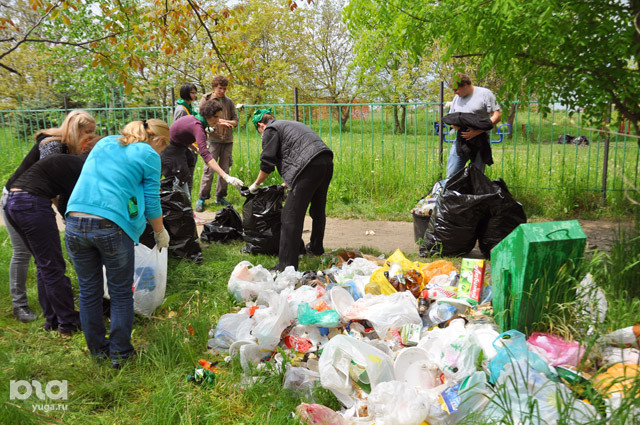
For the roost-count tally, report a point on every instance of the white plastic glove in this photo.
(253, 189)
(162, 239)
(233, 181)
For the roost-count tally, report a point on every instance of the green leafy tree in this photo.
(581, 53)
(263, 43)
(111, 39)
(329, 70)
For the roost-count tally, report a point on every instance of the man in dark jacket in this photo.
(305, 163)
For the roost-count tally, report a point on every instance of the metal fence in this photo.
(375, 145)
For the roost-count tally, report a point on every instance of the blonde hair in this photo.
(145, 131)
(69, 132)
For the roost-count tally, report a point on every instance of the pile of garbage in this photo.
(401, 343)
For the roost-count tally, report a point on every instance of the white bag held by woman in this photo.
(149, 280)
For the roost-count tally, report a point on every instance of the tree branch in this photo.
(36, 25)
(401, 10)
(8, 68)
(213, 43)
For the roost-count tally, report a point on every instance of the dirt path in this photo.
(387, 236)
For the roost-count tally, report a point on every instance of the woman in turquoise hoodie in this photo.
(117, 193)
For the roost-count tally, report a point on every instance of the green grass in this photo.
(154, 389)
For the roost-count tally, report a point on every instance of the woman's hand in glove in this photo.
(233, 181)
(162, 239)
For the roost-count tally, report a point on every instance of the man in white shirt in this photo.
(476, 100)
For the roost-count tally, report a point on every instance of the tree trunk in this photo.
(399, 122)
(345, 113)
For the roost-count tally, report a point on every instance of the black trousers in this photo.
(179, 161)
(309, 190)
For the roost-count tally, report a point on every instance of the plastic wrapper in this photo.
(309, 316)
(378, 282)
(557, 351)
(514, 349)
(317, 414)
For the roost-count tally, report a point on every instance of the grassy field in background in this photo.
(380, 173)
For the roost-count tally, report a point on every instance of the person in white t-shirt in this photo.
(471, 99)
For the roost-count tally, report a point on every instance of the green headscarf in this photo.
(191, 111)
(258, 114)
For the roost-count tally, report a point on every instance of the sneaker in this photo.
(222, 201)
(24, 314)
(200, 205)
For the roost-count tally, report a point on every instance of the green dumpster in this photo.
(524, 266)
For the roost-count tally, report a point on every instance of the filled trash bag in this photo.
(505, 214)
(261, 219)
(177, 216)
(226, 226)
(470, 207)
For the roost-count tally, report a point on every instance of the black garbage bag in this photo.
(261, 219)
(505, 215)
(226, 226)
(177, 216)
(581, 141)
(565, 138)
(470, 207)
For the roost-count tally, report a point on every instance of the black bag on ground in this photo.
(261, 219)
(177, 216)
(505, 215)
(470, 207)
(226, 226)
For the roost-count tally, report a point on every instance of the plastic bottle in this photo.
(440, 313)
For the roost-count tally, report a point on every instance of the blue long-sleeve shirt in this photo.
(114, 175)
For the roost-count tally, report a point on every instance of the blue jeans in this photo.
(92, 243)
(456, 163)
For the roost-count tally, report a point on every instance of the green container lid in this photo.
(524, 266)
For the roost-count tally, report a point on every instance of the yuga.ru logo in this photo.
(53, 390)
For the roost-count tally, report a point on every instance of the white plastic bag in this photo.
(396, 403)
(272, 320)
(345, 360)
(150, 279)
(301, 379)
(247, 281)
(232, 327)
(287, 279)
(385, 311)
